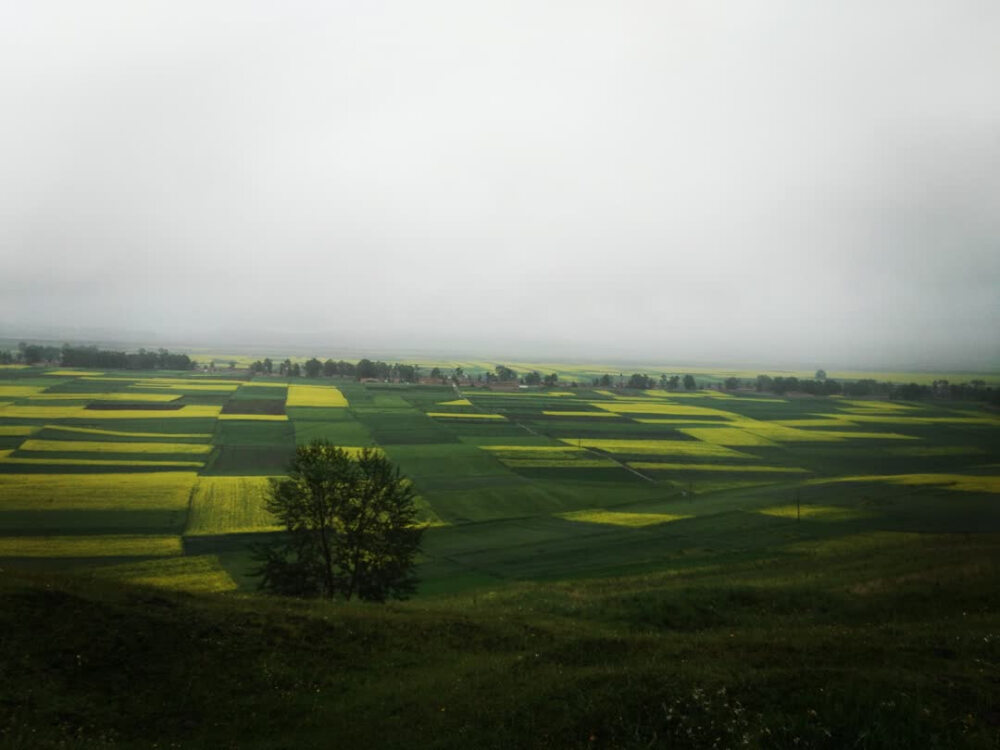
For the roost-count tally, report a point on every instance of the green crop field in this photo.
(537, 484)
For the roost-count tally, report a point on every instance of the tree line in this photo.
(640, 381)
(819, 385)
(92, 357)
(363, 369)
(366, 369)
(974, 390)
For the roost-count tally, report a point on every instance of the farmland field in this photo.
(526, 485)
(637, 559)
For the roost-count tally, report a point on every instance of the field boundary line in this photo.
(603, 454)
(497, 411)
(622, 464)
(190, 505)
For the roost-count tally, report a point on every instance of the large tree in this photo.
(350, 527)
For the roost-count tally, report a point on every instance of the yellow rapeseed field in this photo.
(151, 397)
(903, 420)
(725, 436)
(229, 505)
(6, 458)
(79, 412)
(194, 387)
(178, 381)
(659, 393)
(657, 447)
(781, 434)
(99, 545)
(16, 411)
(199, 411)
(664, 466)
(254, 417)
(89, 446)
(676, 421)
(659, 407)
(816, 512)
(456, 402)
(162, 490)
(74, 373)
(315, 395)
(816, 422)
(122, 433)
(613, 518)
(962, 482)
(20, 391)
(460, 415)
(757, 400)
(8, 430)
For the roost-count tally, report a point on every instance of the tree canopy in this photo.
(350, 527)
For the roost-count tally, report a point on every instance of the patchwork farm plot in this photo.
(162, 479)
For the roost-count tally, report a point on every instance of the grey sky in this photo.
(675, 181)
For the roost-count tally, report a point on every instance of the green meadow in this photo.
(600, 567)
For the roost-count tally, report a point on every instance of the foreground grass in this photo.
(888, 641)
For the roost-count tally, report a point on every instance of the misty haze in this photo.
(786, 182)
(500, 375)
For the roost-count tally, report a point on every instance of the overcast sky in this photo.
(792, 182)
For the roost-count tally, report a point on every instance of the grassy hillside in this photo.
(886, 640)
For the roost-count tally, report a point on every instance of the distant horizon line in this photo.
(436, 355)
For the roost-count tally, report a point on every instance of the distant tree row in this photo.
(639, 381)
(397, 372)
(975, 390)
(536, 378)
(93, 358)
(364, 369)
(820, 385)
